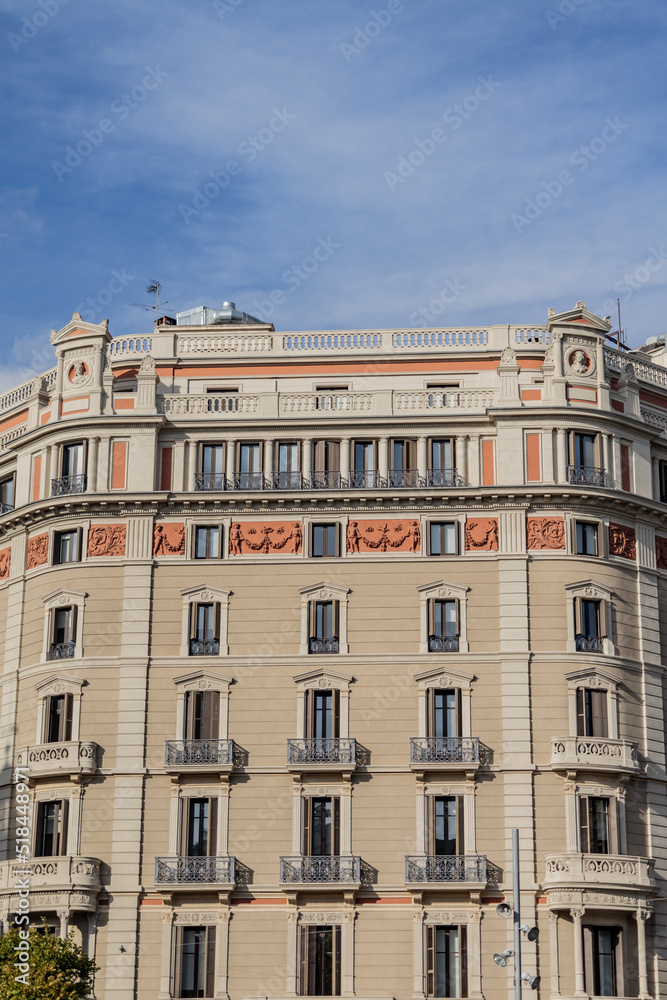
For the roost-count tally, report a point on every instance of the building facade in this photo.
(299, 627)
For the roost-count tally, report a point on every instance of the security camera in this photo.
(532, 933)
(503, 909)
(533, 981)
(501, 959)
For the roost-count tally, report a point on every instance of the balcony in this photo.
(364, 479)
(593, 753)
(49, 759)
(326, 480)
(444, 477)
(66, 485)
(62, 650)
(247, 481)
(586, 475)
(455, 871)
(609, 870)
(444, 753)
(322, 872)
(193, 873)
(5, 508)
(316, 645)
(204, 647)
(61, 874)
(286, 481)
(443, 644)
(209, 482)
(322, 754)
(402, 478)
(181, 756)
(589, 644)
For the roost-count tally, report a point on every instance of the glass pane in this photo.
(205, 621)
(212, 458)
(322, 827)
(447, 961)
(450, 618)
(450, 539)
(7, 492)
(435, 547)
(324, 620)
(445, 826)
(56, 711)
(318, 539)
(249, 461)
(323, 715)
(363, 456)
(193, 962)
(444, 713)
(62, 625)
(441, 456)
(287, 458)
(604, 957)
(197, 845)
(73, 460)
(590, 618)
(598, 811)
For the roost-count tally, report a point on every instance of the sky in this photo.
(330, 164)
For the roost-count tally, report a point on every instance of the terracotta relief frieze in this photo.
(5, 563)
(107, 540)
(248, 537)
(169, 539)
(661, 552)
(38, 551)
(545, 532)
(622, 541)
(383, 536)
(481, 533)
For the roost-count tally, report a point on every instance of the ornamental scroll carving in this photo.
(107, 540)
(482, 533)
(622, 541)
(169, 539)
(38, 551)
(248, 537)
(660, 552)
(5, 563)
(383, 536)
(545, 532)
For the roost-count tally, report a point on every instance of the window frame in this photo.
(220, 528)
(461, 987)
(60, 599)
(57, 536)
(443, 591)
(56, 685)
(336, 525)
(600, 536)
(590, 590)
(444, 524)
(324, 592)
(11, 478)
(204, 594)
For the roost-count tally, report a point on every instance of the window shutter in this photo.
(212, 827)
(599, 458)
(612, 819)
(430, 961)
(463, 958)
(79, 544)
(457, 609)
(336, 959)
(589, 964)
(430, 714)
(430, 823)
(210, 961)
(178, 965)
(185, 826)
(581, 712)
(216, 625)
(459, 712)
(620, 964)
(312, 615)
(303, 962)
(336, 539)
(319, 456)
(309, 707)
(460, 826)
(334, 456)
(573, 536)
(599, 706)
(335, 822)
(410, 457)
(603, 615)
(578, 620)
(190, 699)
(570, 446)
(204, 728)
(335, 695)
(60, 847)
(335, 619)
(214, 727)
(583, 824)
(193, 619)
(66, 718)
(431, 616)
(307, 806)
(73, 623)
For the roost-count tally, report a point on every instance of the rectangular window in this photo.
(211, 467)
(324, 627)
(443, 538)
(446, 825)
(72, 459)
(288, 476)
(51, 830)
(204, 629)
(403, 471)
(322, 715)
(202, 715)
(63, 633)
(250, 467)
(7, 494)
(590, 624)
(586, 464)
(200, 828)
(604, 965)
(443, 713)
(325, 540)
(446, 964)
(58, 710)
(322, 827)
(598, 820)
(207, 542)
(625, 468)
(319, 961)
(67, 547)
(663, 482)
(196, 961)
(326, 465)
(443, 626)
(592, 715)
(442, 462)
(363, 472)
(586, 538)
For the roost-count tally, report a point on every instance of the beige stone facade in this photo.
(299, 627)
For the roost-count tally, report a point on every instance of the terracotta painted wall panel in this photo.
(119, 465)
(37, 478)
(166, 455)
(488, 463)
(533, 458)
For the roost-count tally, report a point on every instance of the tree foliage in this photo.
(55, 969)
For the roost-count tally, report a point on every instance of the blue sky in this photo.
(453, 162)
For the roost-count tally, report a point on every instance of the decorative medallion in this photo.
(79, 374)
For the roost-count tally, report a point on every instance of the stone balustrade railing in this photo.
(66, 872)
(67, 757)
(595, 869)
(594, 752)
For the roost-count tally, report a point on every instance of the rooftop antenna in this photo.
(618, 333)
(154, 289)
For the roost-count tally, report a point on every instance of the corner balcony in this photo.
(184, 756)
(444, 753)
(586, 475)
(66, 485)
(594, 753)
(62, 650)
(609, 871)
(322, 755)
(329, 872)
(46, 760)
(185, 873)
(442, 871)
(61, 874)
(589, 644)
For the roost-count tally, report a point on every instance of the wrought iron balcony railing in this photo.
(364, 479)
(400, 478)
(326, 480)
(209, 481)
(68, 484)
(443, 644)
(247, 481)
(286, 481)
(5, 508)
(316, 645)
(322, 751)
(444, 477)
(323, 868)
(204, 647)
(444, 750)
(62, 650)
(194, 753)
(586, 475)
(446, 868)
(589, 644)
(195, 871)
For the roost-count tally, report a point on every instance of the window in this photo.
(288, 476)
(363, 473)
(590, 624)
(51, 829)
(208, 540)
(586, 538)
(204, 629)
(6, 494)
(200, 828)
(403, 470)
(211, 467)
(443, 538)
(442, 463)
(325, 540)
(604, 962)
(592, 713)
(322, 715)
(196, 961)
(598, 825)
(63, 633)
(443, 626)
(585, 460)
(202, 715)
(324, 627)
(326, 465)
(250, 467)
(67, 547)
(446, 965)
(663, 482)
(321, 835)
(58, 718)
(72, 470)
(443, 713)
(446, 825)
(320, 961)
